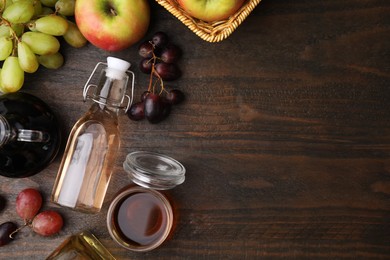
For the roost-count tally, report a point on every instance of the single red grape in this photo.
(167, 71)
(175, 96)
(160, 39)
(144, 95)
(146, 50)
(28, 203)
(171, 53)
(6, 229)
(47, 223)
(166, 108)
(2, 203)
(153, 108)
(145, 66)
(136, 111)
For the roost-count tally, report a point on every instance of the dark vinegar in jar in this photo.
(141, 219)
(24, 111)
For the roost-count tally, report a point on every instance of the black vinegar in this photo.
(30, 136)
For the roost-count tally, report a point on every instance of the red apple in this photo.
(112, 25)
(211, 10)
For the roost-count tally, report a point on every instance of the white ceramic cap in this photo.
(116, 68)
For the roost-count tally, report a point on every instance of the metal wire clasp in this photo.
(99, 99)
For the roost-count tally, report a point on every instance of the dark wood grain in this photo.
(285, 134)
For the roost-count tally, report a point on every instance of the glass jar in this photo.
(30, 135)
(140, 217)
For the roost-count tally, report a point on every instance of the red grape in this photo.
(136, 111)
(166, 108)
(171, 53)
(144, 95)
(146, 50)
(28, 203)
(6, 229)
(153, 108)
(175, 96)
(2, 203)
(160, 39)
(145, 66)
(167, 71)
(47, 223)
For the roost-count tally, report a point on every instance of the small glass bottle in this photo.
(83, 245)
(30, 136)
(140, 218)
(87, 164)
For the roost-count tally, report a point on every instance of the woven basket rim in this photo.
(210, 31)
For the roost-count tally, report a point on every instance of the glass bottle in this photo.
(87, 164)
(30, 136)
(83, 245)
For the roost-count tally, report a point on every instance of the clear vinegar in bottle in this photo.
(89, 157)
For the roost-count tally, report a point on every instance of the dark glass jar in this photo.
(30, 136)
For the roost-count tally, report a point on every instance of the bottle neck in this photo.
(111, 93)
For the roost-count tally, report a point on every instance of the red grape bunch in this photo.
(28, 204)
(160, 58)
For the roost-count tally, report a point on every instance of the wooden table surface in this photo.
(285, 134)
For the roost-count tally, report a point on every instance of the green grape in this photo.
(49, 3)
(65, 7)
(4, 30)
(18, 28)
(50, 24)
(19, 12)
(52, 61)
(12, 75)
(37, 6)
(6, 47)
(41, 43)
(27, 59)
(47, 10)
(4, 4)
(74, 37)
(1, 85)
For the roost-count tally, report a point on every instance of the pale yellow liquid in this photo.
(82, 246)
(97, 169)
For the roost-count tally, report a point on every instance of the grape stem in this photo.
(13, 34)
(154, 73)
(26, 223)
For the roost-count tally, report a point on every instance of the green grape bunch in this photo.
(29, 32)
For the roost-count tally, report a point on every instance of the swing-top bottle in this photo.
(88, 161)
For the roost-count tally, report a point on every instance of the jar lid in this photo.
(154, 170)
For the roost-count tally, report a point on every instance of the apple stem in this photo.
(113, 12)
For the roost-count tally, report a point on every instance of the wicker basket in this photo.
(210, 31)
